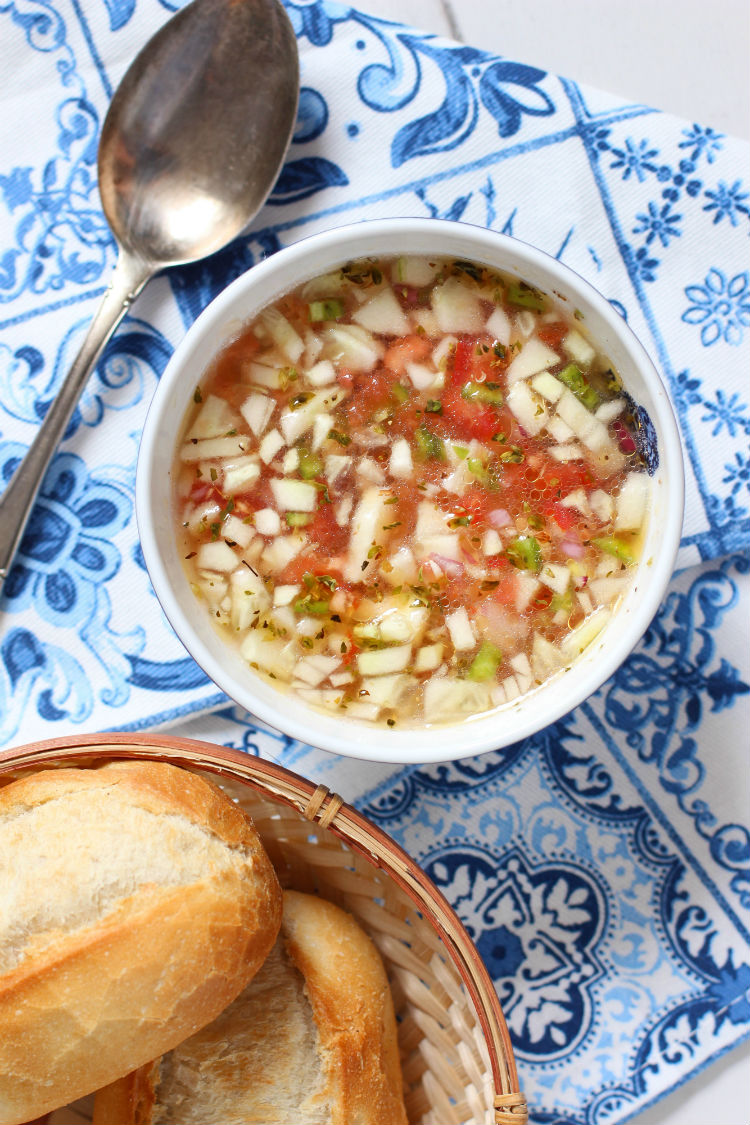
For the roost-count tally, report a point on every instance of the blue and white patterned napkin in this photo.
(603, 866)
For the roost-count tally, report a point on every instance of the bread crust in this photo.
(80, 1004)
(355, 1075)
(353, 1010)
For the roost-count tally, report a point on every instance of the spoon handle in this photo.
(128, 278)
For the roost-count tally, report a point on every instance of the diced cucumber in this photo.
(267, 521)
(400, 464)
(352, 346)
(367, 532)
(556, 576)
(461, 630)
(446, 698)
(631, 502)
(530, 411)
(578, 348)
(214, 419)
(428, 657)
(214, 449)
(286, 338)
(294, 495)
(413, 270)
(457, 307)
(217, 555)
(257, 410)
(239, 474)
(581, 637)
(270, 445)
(533, 357)
(384, 661)
(383, 315)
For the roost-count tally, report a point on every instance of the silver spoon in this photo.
(191, 146)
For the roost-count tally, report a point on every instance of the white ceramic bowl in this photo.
(220, 322)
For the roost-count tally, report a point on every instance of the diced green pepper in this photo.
(489, 393)
(400, 393)
(342, 439)
(525, 553)
(429, 444)
(297, 519)
(562, 601)
(310, 465)
(613, 545)
(316, 606)
(479, 470)
(523, 296)
(574, 380)
(486, 663)
(330, 309)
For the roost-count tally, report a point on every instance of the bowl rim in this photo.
(315, 803)
(497, 728)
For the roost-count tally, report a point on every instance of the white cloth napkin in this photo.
(603, 866)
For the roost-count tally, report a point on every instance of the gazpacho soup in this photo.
(411, 491)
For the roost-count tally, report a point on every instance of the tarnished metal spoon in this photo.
(191, 146)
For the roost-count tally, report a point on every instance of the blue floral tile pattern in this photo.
(603, 866)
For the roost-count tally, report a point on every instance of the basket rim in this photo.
(315, 803)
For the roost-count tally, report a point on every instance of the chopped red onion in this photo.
(498, 517)
(451, 567)
(572, 548)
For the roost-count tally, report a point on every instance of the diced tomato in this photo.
(408, 349)
(205, 491)
(506, 591)
(370, 392)
(476, 502)
(345, 378)
(463, 362)
(552, 334)
(309, 562)
(326, 533)
(468, 419)
(475, 358)
(560, 478)
(237, 355)
(565, 518)
(542, 598)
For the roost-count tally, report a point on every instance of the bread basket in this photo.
(456, 1053)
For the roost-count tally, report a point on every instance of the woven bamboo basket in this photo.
(456, 1053)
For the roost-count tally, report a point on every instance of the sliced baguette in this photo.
(311, 1041)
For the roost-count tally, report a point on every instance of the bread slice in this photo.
(136, 902)
(311, 1041)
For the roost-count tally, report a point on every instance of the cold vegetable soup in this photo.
(411, 491)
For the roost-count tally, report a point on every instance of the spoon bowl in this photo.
(191, 146)
(197, 130)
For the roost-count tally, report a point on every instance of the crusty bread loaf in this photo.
(311, 1041)
(136, 902)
